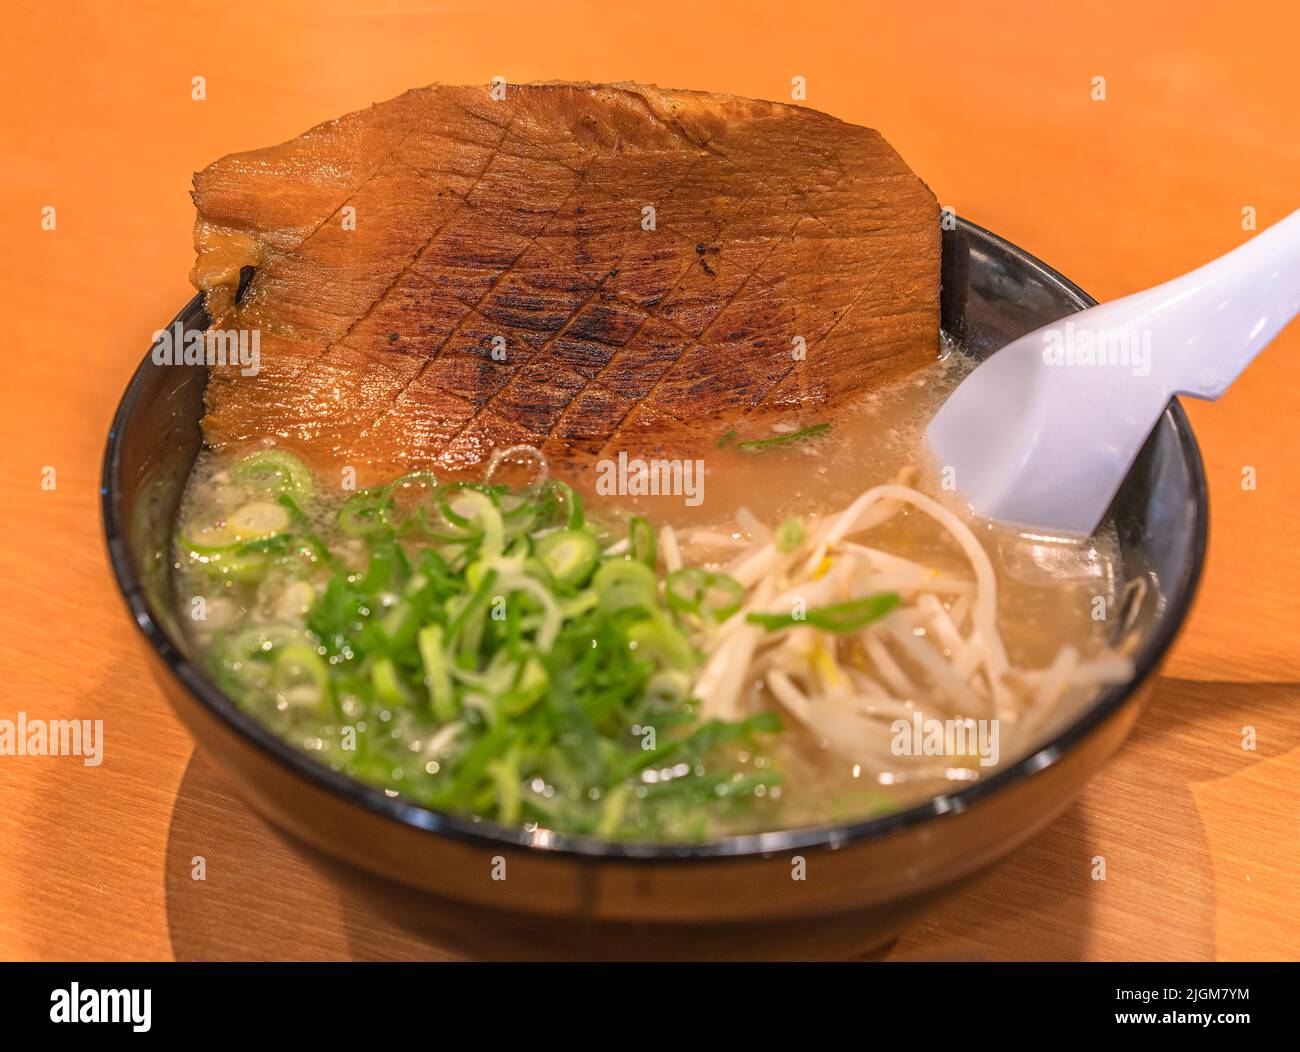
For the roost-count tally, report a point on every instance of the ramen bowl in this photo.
(828, 890)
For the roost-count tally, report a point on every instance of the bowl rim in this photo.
(487, 834)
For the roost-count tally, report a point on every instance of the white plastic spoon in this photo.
(1042, 433)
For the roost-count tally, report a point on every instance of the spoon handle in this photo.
(1207, 326)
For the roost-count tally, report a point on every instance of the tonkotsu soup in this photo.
(809, 629)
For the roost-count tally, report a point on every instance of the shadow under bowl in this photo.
(863, 881)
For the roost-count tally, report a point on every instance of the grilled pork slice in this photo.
(587, 268)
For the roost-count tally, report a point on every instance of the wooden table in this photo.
(992, 103)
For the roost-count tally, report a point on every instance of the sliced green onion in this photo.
(611, 814)
(848, 616)
(530, 683)
(446, 496)
(642, 540)
(569, 556)
(485, 521)
(236, 566)
(259, 519)
(668, 685)
(656, 639)
(758, 444)
(209, 540)
(505, 775)
(388, 569)
(263, 639)
(399, 625)
(550, 626)
(575, 606)
(390, 498)
(273, 471)
(302, 526)
(301, 676)
(248, 656)
(710, 735)
(271, 544)
(472, 605)
(624, 584)
(691, 590)
(437, 678)
(363, 514)
(519, 514)
(571, 502)
(388, 685)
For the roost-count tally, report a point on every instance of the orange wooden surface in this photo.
(991, 103)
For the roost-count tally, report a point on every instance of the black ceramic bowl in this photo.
(864, 880)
